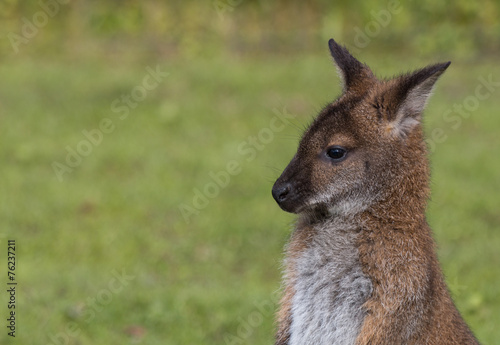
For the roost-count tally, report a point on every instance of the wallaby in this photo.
(361, 267)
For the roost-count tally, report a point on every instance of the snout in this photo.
(285, 196)
(288, 190)
(281, 191)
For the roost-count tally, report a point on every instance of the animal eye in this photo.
(336, 153)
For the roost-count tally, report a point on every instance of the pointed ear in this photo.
(352, 72)
(410, 96)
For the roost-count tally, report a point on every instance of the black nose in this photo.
(280, 192)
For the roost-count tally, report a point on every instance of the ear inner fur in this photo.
(411, 94)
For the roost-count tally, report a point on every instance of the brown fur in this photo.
(410, 302)
(378, 121)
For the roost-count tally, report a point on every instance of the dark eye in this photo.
(336, 153)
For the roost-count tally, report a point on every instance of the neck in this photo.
(405, 198)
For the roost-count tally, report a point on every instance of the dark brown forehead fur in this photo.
(336, 117)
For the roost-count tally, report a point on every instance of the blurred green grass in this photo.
(200, 281)
(213, 280)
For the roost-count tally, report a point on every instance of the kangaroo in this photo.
(361, 266)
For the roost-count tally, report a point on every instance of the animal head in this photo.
(363, 145)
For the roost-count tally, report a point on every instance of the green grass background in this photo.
(204, 281)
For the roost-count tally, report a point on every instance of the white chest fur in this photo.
(330, 289)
